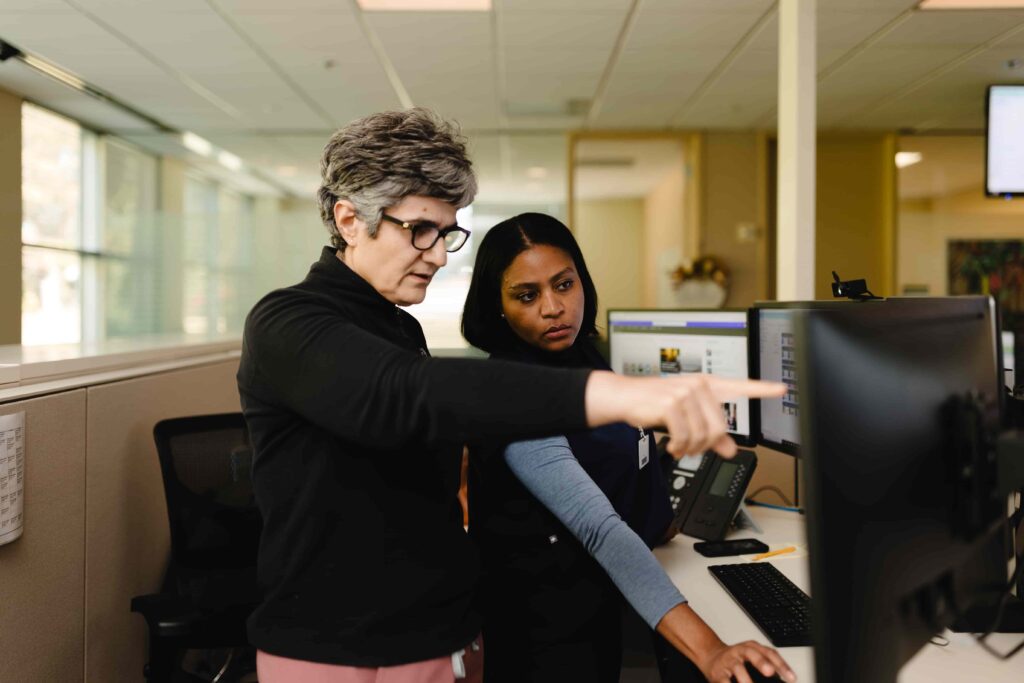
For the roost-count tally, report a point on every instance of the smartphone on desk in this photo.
(738, 546)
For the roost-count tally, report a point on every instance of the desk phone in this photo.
(705, 501)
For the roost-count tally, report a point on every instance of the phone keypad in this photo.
(734, 485)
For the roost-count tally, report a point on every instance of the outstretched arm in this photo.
(550, 471)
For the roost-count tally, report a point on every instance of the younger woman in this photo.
(563, 522)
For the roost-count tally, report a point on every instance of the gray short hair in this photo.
(376, 161)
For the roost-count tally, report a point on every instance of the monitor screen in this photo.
(1004, 167)
(666, 343)
(776, 352)
(1008, 359)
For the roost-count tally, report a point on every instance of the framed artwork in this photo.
(993, 267)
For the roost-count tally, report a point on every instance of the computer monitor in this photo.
(1008, 359)
(1004, 141)
(899, 548)
(673, 342)
(774, 359)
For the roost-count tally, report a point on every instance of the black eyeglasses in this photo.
(426, 235)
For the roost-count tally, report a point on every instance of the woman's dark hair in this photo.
(482, 324)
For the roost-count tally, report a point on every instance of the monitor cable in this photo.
(1001, 608)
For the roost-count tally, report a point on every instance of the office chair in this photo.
(210, 586)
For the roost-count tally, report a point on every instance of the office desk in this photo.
(961, 660)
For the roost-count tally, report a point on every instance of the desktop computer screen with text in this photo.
(780, 418)
(667, 343)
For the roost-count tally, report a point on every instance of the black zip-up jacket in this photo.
(358, 436)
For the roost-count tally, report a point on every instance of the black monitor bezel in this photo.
(755, 425)
(988, 104)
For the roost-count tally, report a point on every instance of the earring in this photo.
(502, 315)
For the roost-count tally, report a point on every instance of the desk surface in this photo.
(961, 660)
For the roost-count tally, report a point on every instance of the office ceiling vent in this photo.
(573, 107)
(606, 162)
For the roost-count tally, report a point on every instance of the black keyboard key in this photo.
(779, 608)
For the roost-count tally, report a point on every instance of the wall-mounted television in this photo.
(1004, 141)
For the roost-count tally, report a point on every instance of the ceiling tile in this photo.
(944, 29)
(876, 75)
(688, 7)
(690, 29)
(585, 31)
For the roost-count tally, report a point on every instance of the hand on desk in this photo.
(720, 663)
(747, 662)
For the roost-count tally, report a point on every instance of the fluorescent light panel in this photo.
(425, 5)
(229, 160)
(55, 72)
(970, 4)
(194, 143)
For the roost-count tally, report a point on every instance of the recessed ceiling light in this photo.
(229, 160)
(537, 173)
(425, 5)
(193, 142)
(970, 4)
(904, 159)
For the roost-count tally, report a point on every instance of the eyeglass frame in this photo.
(441, 232)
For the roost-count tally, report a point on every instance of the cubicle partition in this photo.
(95, 523)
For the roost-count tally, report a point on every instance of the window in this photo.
(218, 268)
(89, 258)
(51, 232)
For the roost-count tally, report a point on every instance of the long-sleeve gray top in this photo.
(550, 471)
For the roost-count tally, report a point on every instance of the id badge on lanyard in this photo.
(643, 449)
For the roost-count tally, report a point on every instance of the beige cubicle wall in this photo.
(42, 574)
(96, 531)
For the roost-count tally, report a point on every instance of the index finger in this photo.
(725, 388)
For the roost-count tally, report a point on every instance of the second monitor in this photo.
(674, 342)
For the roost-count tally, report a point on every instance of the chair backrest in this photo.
(206, 462)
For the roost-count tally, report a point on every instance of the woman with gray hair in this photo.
(357, 432)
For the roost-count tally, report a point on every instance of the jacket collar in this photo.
(333, 274)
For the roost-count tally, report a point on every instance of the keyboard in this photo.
(779, 608)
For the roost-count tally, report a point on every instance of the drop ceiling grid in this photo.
(694, 30)
(204, 48)
(34, 7)
(655, 75)
(651, 95)
(732, 103)
(882, 110)
(312, 10)
(925, 30)
(685, 7)
(17, 77)
(552, 57)
(467, 90)
(354, 82)
(576, 6)
(111, 65)
(877, 74)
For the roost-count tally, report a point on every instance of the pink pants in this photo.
(273, 669)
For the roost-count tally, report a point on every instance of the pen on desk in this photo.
(773, 553)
